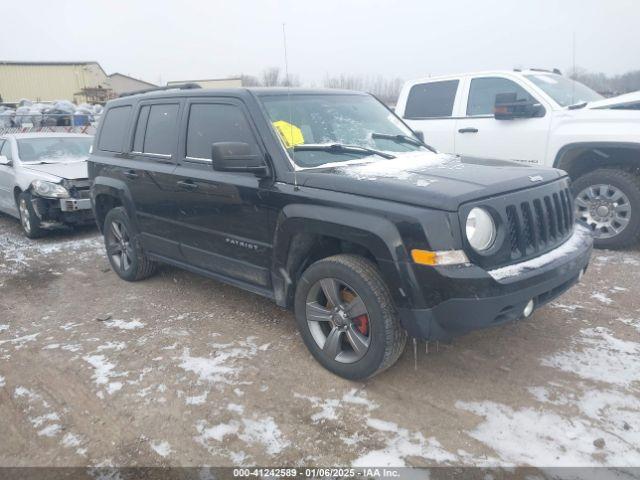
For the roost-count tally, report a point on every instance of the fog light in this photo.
(528, 309)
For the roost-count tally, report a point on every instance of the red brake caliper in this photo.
(362, 324)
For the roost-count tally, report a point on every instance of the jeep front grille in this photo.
(535, 225)
(530, 222)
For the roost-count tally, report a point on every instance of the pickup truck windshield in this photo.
(564, 90)
(322, 120)
(53, 149)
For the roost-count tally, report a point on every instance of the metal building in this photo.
(46, 81)
(121, 83)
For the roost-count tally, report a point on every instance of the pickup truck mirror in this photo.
(4, 160)
(236, 157)
(507, 107)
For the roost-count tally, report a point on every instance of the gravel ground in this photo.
(182, 370)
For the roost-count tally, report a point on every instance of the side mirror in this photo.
(419, 135)
(507, 107)
(236, 157)
(4, 160)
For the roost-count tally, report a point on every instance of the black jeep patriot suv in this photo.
(326, 202)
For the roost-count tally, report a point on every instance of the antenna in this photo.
(286, 73)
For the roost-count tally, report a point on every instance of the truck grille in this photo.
(530, 222)
(537, 224)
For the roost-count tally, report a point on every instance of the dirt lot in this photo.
(187, 371)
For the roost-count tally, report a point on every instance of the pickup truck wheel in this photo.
(28, 218)
(123, 248)
(608, 201)
(346, 317)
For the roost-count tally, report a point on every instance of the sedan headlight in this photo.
(480, 228)
(49, 189)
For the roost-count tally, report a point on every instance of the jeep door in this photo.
(222, 217)
(479, 134)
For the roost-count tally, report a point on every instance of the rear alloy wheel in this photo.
(346, 317)
(608, 201)
(123, 249)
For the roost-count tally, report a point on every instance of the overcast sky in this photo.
(164, 40)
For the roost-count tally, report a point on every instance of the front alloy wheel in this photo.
(346, 317)
(338, 320)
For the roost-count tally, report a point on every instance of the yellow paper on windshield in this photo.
(291, 135)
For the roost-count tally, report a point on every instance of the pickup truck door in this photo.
(429, 108)
(225, 226)
(479, 134)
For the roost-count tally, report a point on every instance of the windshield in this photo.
(350, 120)
(564, 90)
(53, 149)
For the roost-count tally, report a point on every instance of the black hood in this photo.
(426, 179)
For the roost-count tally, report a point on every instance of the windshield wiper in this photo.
(340, 148)
(403, 139)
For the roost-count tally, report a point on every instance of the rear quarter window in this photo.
(114, 128)
(428, 100)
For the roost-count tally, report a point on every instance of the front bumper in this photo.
(485, 299)
(65, 211)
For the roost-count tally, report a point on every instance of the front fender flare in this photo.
(378, 235)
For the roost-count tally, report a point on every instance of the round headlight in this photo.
(481, 231)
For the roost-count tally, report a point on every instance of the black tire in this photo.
(137, 265)
(626, 182)
(29, 220)
(387, 338)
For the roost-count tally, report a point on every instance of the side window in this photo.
(114, 129)
(210, 123)
(6, 149)
(431, 99)
(160, 135)
(483, 91)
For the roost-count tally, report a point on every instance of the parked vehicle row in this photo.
(539, 117)
(328, 203)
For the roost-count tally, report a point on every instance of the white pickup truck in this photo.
(539, 117)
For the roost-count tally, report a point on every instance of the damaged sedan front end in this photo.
(43, 180)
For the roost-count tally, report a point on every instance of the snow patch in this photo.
(197, 400)
(124, 325)
(602, 358)
(162, 448)
(103, 372)
(403, 167)
(2, 381)
(601, 297)
(577, 240)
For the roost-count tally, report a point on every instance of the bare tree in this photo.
(385, 89)
(605, 84)
(249, 81)
(271, 77)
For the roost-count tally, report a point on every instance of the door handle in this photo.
(468, 130)
(130, 174)
(187, 185)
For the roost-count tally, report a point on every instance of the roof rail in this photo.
(555, 70)
(183, 86)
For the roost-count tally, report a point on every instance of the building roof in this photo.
(132, 78)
